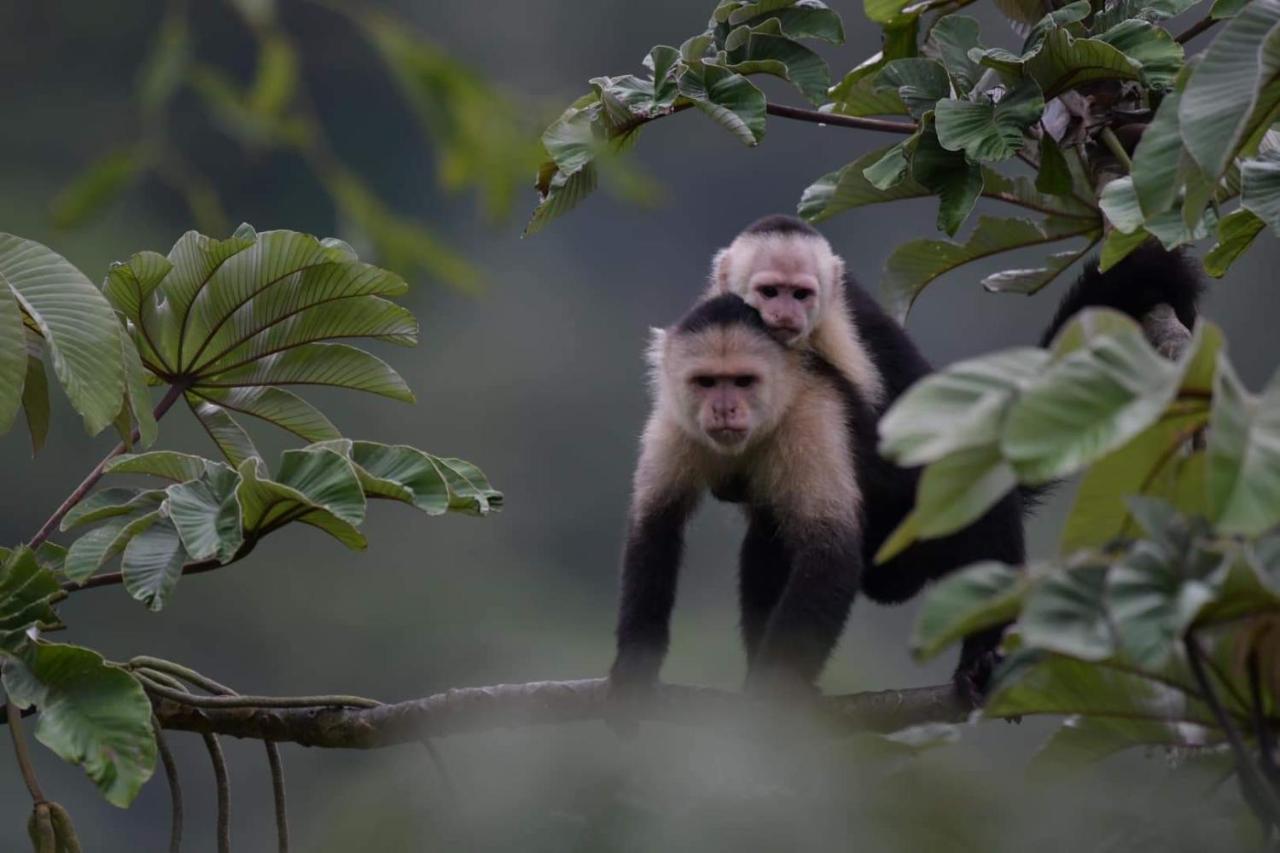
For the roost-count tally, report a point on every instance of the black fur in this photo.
(724, 310)
(1146, 277)
(781, 224)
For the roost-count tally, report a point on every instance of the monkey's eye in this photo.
(704, 381)
(769, 292)
(801, 294)
(744, 381)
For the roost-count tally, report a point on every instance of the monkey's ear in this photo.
(835, 270)
(657, 345)
(720, 271)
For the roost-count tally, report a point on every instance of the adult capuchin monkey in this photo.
(787, 270)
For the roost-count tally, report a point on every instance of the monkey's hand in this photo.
(972, 679)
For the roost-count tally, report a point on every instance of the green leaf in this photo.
(920, 83)
(989, 132)
(13, 357)
(35, 402)
(1236, 232)
(1034, 279)
(1244, 455)
(884, 11)
(27, 592)
(91, 714)
(226, 433)
(163, 71)
(558, 193)
(1087, 404)
(951, 176)
(859, 95)
(316, 486)
(1226, 8)
(1151, 47)
(76, 322)
(1261, 182)
(206, 514)
(274, 405)
(797, 18)
(1062, 62)
(1100, 513)
(1064, 612)
(1022, 11)
(87, 554)
(1225, 84)
(152, 563)
(1054, 176)
(94, 189)
(335, 365)
(1146, 10)
(952, 37)
(775, 54)
(848, 188)
(166, 464)
(1155, 160)
(915, 264)
(960, 407)
(1117, 246)
(729, 99)
(979, 596)
(890, 169)
(1083, 742)
(433, 484)
(107, 503)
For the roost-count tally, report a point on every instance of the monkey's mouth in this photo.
(727, 435)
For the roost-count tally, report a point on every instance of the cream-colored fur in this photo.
(835, 333)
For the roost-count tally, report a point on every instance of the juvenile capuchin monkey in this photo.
(789, 273)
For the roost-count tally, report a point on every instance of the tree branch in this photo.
(476, 709)
(1196, 29)
(817, 117)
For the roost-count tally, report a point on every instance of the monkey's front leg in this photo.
(826, 563)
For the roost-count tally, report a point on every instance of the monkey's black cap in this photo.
(725, 310)
(779, 223)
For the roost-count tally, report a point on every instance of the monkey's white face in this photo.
(725, 386)
(784, 277)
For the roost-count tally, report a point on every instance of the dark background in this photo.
(539, 380)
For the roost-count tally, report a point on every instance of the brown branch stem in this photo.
(818, 117)
(541, 703)
(46, 530)
(1196, 29)
(23, 755)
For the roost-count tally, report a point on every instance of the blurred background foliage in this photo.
(129, 123)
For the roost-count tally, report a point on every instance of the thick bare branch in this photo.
(476, 709)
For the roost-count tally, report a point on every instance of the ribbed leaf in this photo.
(35, 396)
(989, 132)
(1155, 160)
(166, 464)
(798, 18)
(13, 357)
(26, 594)
(976, 597)
(206, 514)
(952, 37)
(433, 484)
(1261, 181)
(337, 365)
(1065, 613)
(731, 100)
(858, 95)
(1063, 62)
(315, 486)
(765, 52)
(848, 188)
(137, 398)
(76, 322)
(91, 714)
(230, 437)
(274, 405)
(152, 563)
(1244, 455)
(1033, 280)
(920, 83)
(1151, 47)
(113, 501)
(950, 175)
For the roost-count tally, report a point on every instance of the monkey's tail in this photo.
(1147, 277)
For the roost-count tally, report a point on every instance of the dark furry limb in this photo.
(478, 709)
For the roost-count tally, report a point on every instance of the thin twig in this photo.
(818, 117)
(113, 578)
(1257, 790)
(277, 791)
(1196, 29)
(20, 752)
(239, 701)
(1261, 727)
(223, 784)
(46, 530)
(186, 674)
(175, 787)
(1116, 147)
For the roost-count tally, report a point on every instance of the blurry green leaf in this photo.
(782, 57)
(1065, 612)
(152, 563)
(1022, 11)
(1117, 246)
(1083, 741)
(848, 188)
(920, 83)
(1244, 455)
(276, 77)
(1151, 47)
(163, 70)
(915, 264)
(27, 591)
(976, 597)
(729, 99)
(1100, 512)
(960, 407)
(315, 486)
(137, 400)
(953, 492)
(1155, 160)
(1088, 403)
(35, 401)
(1054, 176)
(952, 37)
(91, 714)
(1224, 86)
(986, 131)
(884, 11)
(95, 188)
(1236, 232)
(1261, 179)
(859, 95)
(1119, 201)
(1146, 10)
(951, 176)
(78, 326)
(205, 513)
(1226, 8)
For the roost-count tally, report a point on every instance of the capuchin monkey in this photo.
(787, 271)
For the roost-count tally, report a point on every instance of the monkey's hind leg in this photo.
(763, 569)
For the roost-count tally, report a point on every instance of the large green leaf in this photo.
(797, 18)
(848, 188)
(76, 322)
(976, 597)
(1088, 403)
(1236, 232)
(858, 94)
(920, 83)
(914, 265)
(730, 99)
(35, 397)
(1064, 612)
(960, 407)
(206, 514)
(13, 357)
(1062, 61)
(433, 484)
(87, 554)
(1244, 454)
(1261, 183)
(768, 52)
(315, 486)
(952, 37)
(989, 132)
(27, 592)
(1225, 85)
(91, 714)
(950, 175)
(1151, 47)
(1082, 742)
(152, 563)
(1155, 160)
